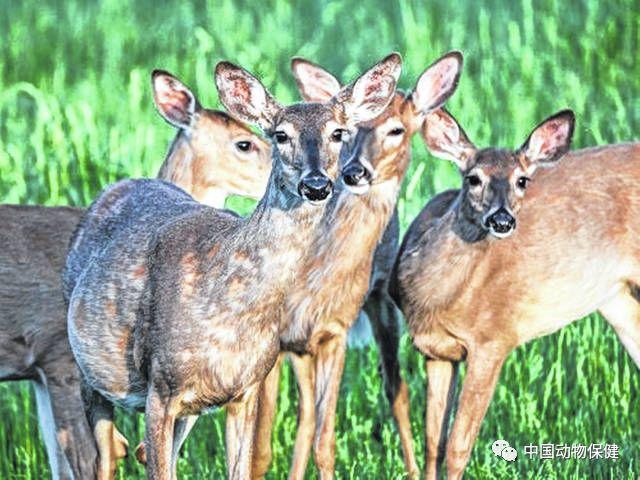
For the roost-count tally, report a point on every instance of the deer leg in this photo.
(267, 403)
(159, 436)
(441, 378)
(100, 414)
(329, 365)
(386, 329)
(305, 375)
(60, 467)
(183, 426)
(483, 371)
(623, 314)
(240, 434)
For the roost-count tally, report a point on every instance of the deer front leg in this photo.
(623, 313)
(483, 370)
(267, 403)
(240, 434)
(329, 365)
(159, 434)
(441, 378)
(386, 328)
(305, 375)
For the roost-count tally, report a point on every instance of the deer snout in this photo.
(500, 223)
(356, 175)
(315, 187)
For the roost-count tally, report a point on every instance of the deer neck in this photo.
(280, 229)
(444, 259)
(336, 271)
(464, 225)
(178, 168)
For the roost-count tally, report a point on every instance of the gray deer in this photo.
(175, 307)
(208, 158)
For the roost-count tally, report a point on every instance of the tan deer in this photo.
(175, 307)
(319, 314)
(211, 156)
(518, 252)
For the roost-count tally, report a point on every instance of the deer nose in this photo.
(315, 187)
(501, 222)
(354, 173)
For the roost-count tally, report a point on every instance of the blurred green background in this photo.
(76, 114)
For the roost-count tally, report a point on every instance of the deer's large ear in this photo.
(314, 82)
(446, 139)
(244, 96)
(549, 141)
(173, 99)
(437, 83)
(368, 96)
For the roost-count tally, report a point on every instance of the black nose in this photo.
(354, 173)
(315, 187)
(501, 221)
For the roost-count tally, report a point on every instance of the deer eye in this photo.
(396, 131)
(473, 180)
(522, 182)
(281, 137)
(337, 135)
(243, 146)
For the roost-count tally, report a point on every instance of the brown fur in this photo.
(231, 337)
(319, 313)
(574, 251)
(33, 245)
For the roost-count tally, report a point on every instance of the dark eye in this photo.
(337, 134)
(473, 180)
(281, 137)
(396, 131)
(243, 146)
(523, 182)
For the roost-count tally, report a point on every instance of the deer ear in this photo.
(173, 99)
(549, 141)
(437, 83)
(314, 82)
(369, 95)
(446, 139)
(244, 96)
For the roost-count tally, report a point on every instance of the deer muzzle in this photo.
(315, 187)
(500, 223)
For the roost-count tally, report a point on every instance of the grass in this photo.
(76, 114)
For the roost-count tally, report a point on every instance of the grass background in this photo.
(76, 114)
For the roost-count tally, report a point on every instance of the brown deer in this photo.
(319, 314)
(213, 155)
(208, 150)
(473, 287)
(174, 307)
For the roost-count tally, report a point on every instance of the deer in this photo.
(212, 156)
(174, 306)
(506, 259)
(319, 315)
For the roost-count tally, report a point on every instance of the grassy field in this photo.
(76, 114)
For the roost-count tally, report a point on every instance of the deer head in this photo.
(380, 150)
(224, 155)
(495, 180)
(307, 137)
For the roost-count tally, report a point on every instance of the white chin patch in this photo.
(317, 203)
(359, 189)
(501, 235)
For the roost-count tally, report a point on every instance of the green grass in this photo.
(76, 114)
